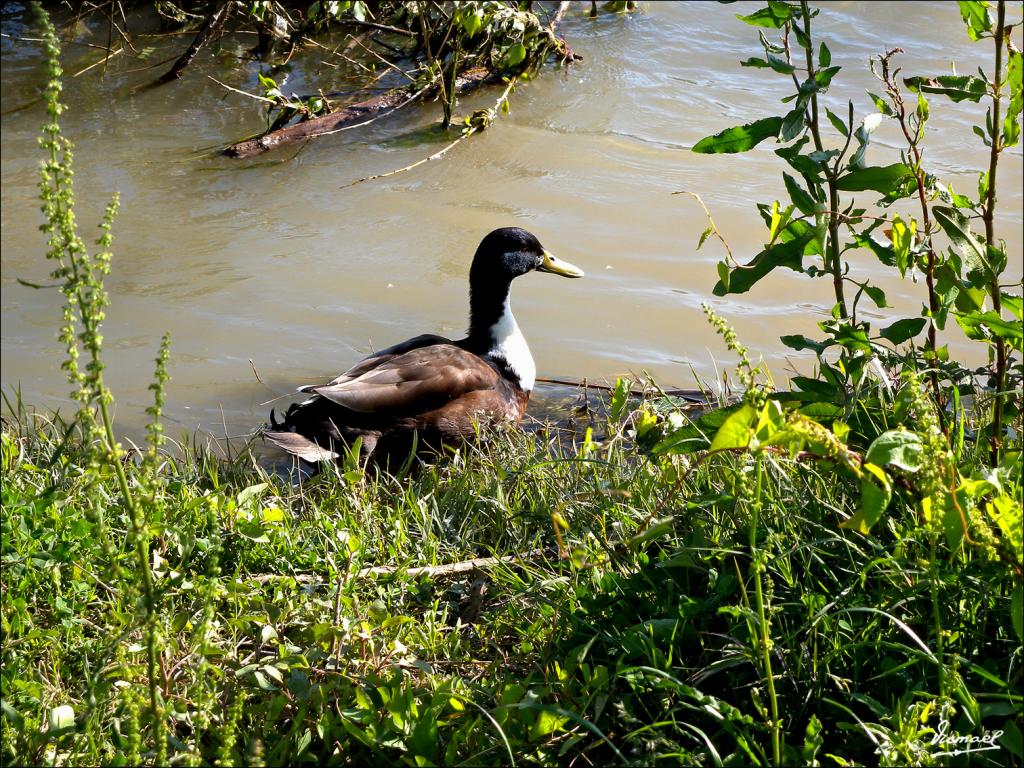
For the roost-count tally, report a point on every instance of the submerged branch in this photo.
(478, 122)
(345, 119)
(211, 27)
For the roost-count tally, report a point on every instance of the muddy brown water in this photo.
(274, 261)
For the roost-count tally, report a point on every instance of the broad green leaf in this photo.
(838, 123)
(823, 77)
(515, 54)
(772, 17)
(1013, 304)
(272, 515)
(875, 494)
(816, 387)
(976, 17)
(885, 179)
(1015, 80)
(876, 294)
(247, 494)
(736, 431)
(1006, 511)
(774, 62)
(854, 339)
(957, 227)
(958, 200)
(694, 435)
(801, 230)
(952, 518)
(723, 275)
(883, 251)
(770, 421)
(807, 168)
(903, 330)
(820, 411)
(785, 254)
(780, 218)
(824, 155)
(619, 398)
(955, 87)
(471, 19)
(997, 257)
(902, 241)
(923, 110)
(824, 56)
(982, 185)
(897, 448)
(792, 125)
(1008, 330)
(801, 199)
(881, 104)
(740, 138)
(800, 343)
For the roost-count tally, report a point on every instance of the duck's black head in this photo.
(502, 256)
(509, 252)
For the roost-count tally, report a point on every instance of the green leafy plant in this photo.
(819, 220)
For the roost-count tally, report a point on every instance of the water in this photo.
(273, 261)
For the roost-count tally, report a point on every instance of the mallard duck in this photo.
(429, 390)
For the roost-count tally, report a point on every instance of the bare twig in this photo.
(431, 571)
(243, 93)
(381, 27)
(103, 61)
(711, 222)
(442, 152)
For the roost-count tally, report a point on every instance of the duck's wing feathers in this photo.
(379, 358)
(419, 380)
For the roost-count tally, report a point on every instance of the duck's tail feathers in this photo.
(300, 446)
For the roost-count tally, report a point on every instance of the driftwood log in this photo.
(348, 117)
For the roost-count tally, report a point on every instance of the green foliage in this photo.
(741, 138)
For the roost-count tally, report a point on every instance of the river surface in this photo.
(276, 262)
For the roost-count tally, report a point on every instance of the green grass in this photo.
(272, 644)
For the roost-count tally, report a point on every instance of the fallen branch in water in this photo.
(212, 26)
(387, 103)
(694, 395)
(478, 122)
(345, 119)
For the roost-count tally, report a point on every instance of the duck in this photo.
(429, 391)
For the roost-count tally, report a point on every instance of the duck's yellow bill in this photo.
(559, 267)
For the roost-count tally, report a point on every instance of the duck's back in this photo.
(428, 385)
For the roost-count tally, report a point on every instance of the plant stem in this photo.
(914, 142)
(988, 216)
(142, 556)
(764, 641)
(833, 260)
(936, 615)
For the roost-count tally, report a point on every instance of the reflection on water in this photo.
(273, 261)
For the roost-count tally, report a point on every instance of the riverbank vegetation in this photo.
(824, 576)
